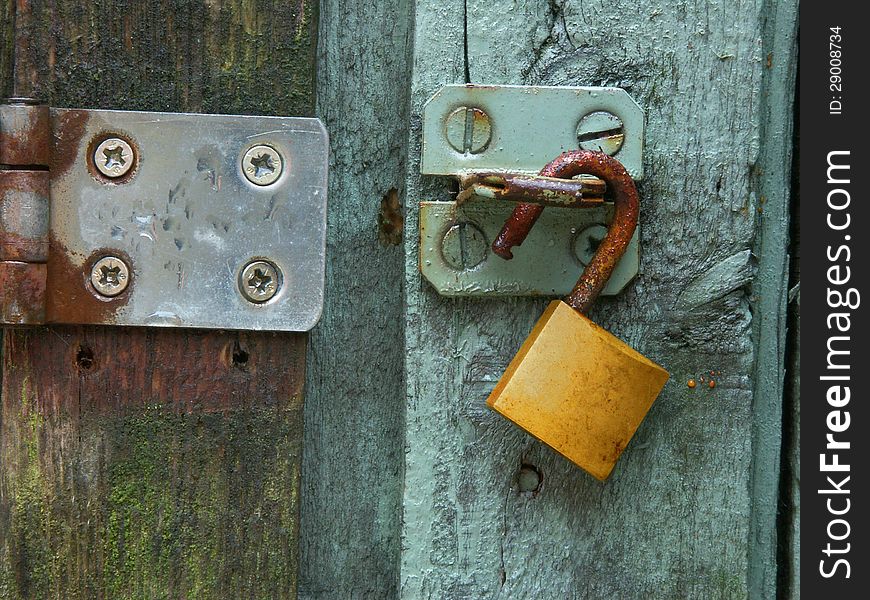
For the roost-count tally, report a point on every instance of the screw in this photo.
(262, 165)
(587, 241)
(259, 281)
(464, 246)
(468, 130)
(601, 131)
(110, 276)
(113, 157)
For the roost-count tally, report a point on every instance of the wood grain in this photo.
(686, 513)
(7, 45)
(772, 183)
(354, 406)
(790, 504)
(155, 463)
(137, 468)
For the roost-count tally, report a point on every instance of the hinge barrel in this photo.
(25, 133)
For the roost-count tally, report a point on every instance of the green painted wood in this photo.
(689, 511)
(772, 183)
(154, 463)
(352, 472)
(790, 506)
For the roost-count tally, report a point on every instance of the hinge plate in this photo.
(187, 220)
(523, 128)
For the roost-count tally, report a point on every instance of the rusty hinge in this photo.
(161, 219)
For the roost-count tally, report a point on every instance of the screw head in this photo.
(601, 131)
(468, 130)
(262, 165)
(259, 281)
(587, 241)
(110, 276)
(113, 157)
(464, 246)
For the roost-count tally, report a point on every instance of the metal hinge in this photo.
(161, 219)
(475, 132)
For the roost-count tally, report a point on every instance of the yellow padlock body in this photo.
(578, 389)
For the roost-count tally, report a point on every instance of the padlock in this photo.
(573, 385)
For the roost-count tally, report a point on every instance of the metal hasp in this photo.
(473, 129)
(161, 219)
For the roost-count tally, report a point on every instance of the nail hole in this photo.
(529, 479)
(390, 219)
(85, 358)
(240, 357)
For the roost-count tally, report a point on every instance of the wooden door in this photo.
(166, 464)
(691, 509)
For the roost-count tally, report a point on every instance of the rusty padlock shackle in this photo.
(612, 247)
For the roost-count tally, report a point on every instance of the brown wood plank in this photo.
(143, 464)
(154, 463)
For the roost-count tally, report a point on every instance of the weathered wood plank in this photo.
(351, 502)
(7, 37)
(790, 504)
(218, 56)
(677, 519)
(789, 542)
(155, 463)
(135, 470)
(773, 182)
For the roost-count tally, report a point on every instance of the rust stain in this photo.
(390, 219)
(22, 293)
(24, 208)
(546, 191)
(615, 452)
(479, 118)
(612, 247)
(24, 135)
(92, 148)
(69, 127)
(21, 248)
(70, 296)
